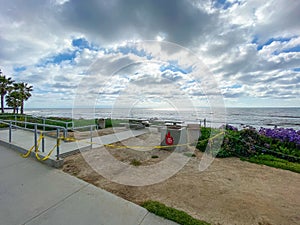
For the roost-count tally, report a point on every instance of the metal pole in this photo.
(15, 119)
(35, 138)
(10, 126)
(91, 132)
(25, 121)
(43, 143)
(44, 122)
(65, 133)
(57, 144)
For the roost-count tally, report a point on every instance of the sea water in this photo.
(239, 117)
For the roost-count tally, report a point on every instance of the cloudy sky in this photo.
(249, 50)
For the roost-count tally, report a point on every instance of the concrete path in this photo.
(34, 194)
(25, 140)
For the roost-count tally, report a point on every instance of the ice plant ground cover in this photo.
(277, 147)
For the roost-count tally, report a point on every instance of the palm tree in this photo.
(13, 100)
(23, 92)
(5, 86)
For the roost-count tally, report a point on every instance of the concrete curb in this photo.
(50, 162)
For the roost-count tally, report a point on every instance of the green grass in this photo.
(272, 161)
(171, 213)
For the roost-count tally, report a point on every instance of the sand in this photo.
(229, 192)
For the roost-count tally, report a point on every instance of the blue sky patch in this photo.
(293, 49)
(270, 41)
(58, 59)
(224, 4)
(296, 69)
(19, 69)
(80, 43)
(173, 66)
(236, 86)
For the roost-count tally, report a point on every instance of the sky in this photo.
(245, 53)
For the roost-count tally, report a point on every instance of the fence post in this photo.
(9, 135)
(57, 144)
(35, 138)
(15, 119)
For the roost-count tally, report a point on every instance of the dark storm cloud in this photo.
(116, 20)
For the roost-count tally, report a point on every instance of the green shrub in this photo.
(171, 213)
(154, 157)
(135, 162)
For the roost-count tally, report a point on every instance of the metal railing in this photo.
(39, 120)
(13, 125)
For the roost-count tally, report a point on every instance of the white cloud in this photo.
(247, 43)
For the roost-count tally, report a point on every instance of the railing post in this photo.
(91, 133)
(43, 143)
(44, 122)
(35, 138)
(65, 133)
(57, 144)
(9, 135)
(15, 119)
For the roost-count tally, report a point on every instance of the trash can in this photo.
(174, 137)
(101, 123)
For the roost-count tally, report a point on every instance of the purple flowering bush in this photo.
(288, 135)
(279, 142)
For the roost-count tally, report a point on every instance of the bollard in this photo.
(9, 135)
(35, 138)
(57, 144)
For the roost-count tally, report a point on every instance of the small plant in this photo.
(171, 213)
(135, 162)
(154, 157)
(189, 154)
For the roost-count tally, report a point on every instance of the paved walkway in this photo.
(25, 140)
(34, 194)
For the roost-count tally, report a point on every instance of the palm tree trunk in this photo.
(22, 107)
(2, 103)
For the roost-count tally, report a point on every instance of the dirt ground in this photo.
(229, 192)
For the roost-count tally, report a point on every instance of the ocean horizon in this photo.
(286, 117)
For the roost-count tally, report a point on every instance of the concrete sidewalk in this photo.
(24, 140)
(34, 194)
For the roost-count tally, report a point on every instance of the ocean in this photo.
(238, 117)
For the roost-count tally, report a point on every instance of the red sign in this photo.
(169, 139)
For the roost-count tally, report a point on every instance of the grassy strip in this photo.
(273, 161)
(171, 213)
